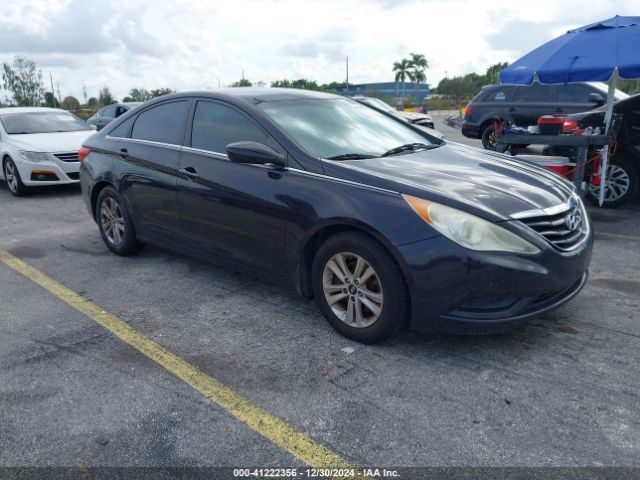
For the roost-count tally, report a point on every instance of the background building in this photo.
(387, 89)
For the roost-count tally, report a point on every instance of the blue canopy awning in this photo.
(588, 54)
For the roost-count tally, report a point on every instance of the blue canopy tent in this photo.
(599, 52)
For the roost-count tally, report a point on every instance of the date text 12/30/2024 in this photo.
(314, 473)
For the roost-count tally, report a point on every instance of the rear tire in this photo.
(114, 223)
(368, 301)
(13, 179)
(624, 179)
(489, 138)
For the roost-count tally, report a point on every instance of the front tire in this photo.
(12, 177)
(622, 184)
(114, 223)
(359, 288)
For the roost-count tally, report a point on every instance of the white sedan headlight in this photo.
(35, 156)
(468, 230)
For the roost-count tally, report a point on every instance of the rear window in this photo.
(495, 94)
(122, 130)
(164, 123)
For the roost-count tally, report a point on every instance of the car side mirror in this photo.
(596, 98)
(93, 127)
(254, 153)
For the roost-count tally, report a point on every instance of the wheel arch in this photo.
(309, 248)
(95, 191)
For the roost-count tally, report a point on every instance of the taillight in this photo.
(82, 153)
(569, 126)
(468, 110)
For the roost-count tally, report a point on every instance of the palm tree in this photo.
(418, 64)
(403, 71)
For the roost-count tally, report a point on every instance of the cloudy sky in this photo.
(197, 44)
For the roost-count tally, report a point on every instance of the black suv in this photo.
(523, 105)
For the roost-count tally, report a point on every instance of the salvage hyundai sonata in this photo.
(383, 224)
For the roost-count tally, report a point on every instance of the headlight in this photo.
(35, 156)
(468, 230)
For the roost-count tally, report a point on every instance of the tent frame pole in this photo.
(607, 121)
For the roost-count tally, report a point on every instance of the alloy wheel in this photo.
(10, 176)
(353, 290)
(112, 221)
(617, 184)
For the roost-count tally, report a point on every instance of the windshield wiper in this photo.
(409, 147)
(351, 156)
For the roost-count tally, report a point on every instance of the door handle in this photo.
(511, 109)
(124, 153)
(559, 110)
(189, 172)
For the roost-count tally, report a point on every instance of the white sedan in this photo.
(39, 146)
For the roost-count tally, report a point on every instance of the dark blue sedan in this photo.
(383, 224)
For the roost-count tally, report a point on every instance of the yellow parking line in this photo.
(619, 235)
(269, 426)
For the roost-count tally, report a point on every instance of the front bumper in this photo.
(63, 172)
(456, 290)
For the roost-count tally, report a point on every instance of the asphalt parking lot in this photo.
(562, 390)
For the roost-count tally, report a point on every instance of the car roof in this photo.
(256, 94)
(30, 110)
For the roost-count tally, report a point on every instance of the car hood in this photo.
(414, 116)
(50, 142)
(488, 184)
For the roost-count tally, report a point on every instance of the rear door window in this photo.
(535, 93)
(215, 126)
(164, 123)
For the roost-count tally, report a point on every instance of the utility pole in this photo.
(59, 96)
(53, 95)
(347, 89)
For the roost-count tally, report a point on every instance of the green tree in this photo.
(93, 102)
(403, 71)
(242, 83)
(70, 103)
(50, 100)
(419, 65)
(139, 95)
(301, 83)
(105, 97)
(492, 76)
(158, 92)
(24, 80)
(460, 86)
(128, 99)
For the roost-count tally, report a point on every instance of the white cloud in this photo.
(193, 44)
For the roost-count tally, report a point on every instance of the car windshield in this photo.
(342, 128)
(42, 122)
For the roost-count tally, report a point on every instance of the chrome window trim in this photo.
(208, 153)
(172, 146)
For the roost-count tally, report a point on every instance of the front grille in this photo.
(68, 157)
(74, 175)
(564, 230)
